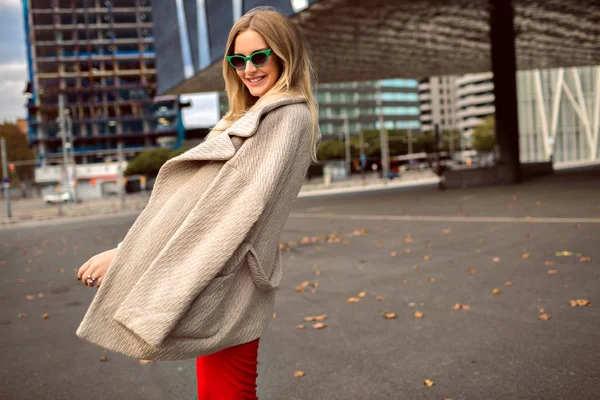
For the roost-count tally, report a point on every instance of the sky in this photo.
(13, 74)
(13, 64)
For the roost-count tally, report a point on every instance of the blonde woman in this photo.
(196, 274)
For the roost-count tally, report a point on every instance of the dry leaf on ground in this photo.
(447, 230)
(508, 283)
(319, 325)
(525, 256)
(585, 259)
(393, 254)
(45, 316)
(103, 358)
(418, 314)
(379, 298)
(472, 271)
(427, 258)
(496, 291)
(552, 272)
(143, 362)
(544, 317)
(549, 263)
(496, 259)
(459, 306)
(580, 302)
(274, 315)
(428, 382)
(301, 326)
(30, 297)
(21, 315)
(353, 300)
(362, 295)
(389, 315)
(563, 254)
(298, 374)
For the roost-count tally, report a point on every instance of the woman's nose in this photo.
(249, 67)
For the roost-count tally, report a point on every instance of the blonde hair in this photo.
(297, 76)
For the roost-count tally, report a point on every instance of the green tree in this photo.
(484, 136)
(149, 162)
(332, 150)
(17, 150)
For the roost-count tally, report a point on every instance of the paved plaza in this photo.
(403, 253)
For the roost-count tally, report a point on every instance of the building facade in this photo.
(362, 103)
(474, 100)
(437, 102)
(559, 114)
(92, 72)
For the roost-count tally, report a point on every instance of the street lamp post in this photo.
(348, 158)
(65, 142)
(385, 166)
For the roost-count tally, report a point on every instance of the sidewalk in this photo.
(35, 210)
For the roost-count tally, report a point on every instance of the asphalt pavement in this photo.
(404, 253)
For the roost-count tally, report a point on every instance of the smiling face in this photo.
(258, 80)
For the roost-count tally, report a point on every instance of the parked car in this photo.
(57, 197)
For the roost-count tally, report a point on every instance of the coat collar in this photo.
(220, 146)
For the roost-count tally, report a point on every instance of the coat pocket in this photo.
(206, 314)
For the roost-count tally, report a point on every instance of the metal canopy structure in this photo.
(377, 39)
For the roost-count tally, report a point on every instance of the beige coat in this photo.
(196, 272)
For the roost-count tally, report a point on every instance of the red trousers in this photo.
(229, 374)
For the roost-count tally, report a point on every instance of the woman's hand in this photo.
(93, 271)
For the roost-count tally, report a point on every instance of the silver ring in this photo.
(91, 280)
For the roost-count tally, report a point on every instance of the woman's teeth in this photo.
(256, 79)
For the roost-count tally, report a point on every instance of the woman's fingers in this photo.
(99, 281)
(92, 272)
(83, 269)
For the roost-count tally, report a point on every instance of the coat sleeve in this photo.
(218, 225)
(193, 256)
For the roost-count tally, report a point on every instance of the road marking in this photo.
(530, 220)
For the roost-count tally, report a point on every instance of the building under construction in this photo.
(92, 76)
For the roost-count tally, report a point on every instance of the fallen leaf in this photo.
(428, 383)
(274, 315)
(459, 306)
(418, 314)
(508, 283)
(563, 253)
(319, 325)
(300, 288)
(390, 315)
(472, 271)
(407, 251)
(544, 317)
(549, 263)
(538, 203)
(318, 273)
(516, 197)
(40, 294)
(103, 358)
(379, 298)
(298, 374)
(404, 282)
(321, 317)
(61, 270)
(552, 272)
(426, 258)
(143, 362)
(393, 254)
(431, 279)
(362, 295)
(300, 326)
(496, 291)
(30, 297)
(525, 255)
(415, 267)
(447, 230)
(313, 290)
(408, 239)
(493, 229)
(45, 316)
(585, 259)
(21, 315)
(496, 259)
(583, 302)
(353, 300)
(466, 307)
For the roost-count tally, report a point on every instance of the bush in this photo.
(149, 162)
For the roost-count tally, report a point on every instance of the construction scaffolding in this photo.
(98, 55)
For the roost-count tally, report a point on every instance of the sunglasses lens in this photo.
(259, 59)
(238, 62)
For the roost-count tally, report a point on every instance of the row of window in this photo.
(332, 129)
(334, 97)
(354, 112)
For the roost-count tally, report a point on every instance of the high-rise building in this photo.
(95, 57)
(362, 103)
(437, 99)
(559, 114)
(475, 100)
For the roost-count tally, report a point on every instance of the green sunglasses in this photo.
(258, 59)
